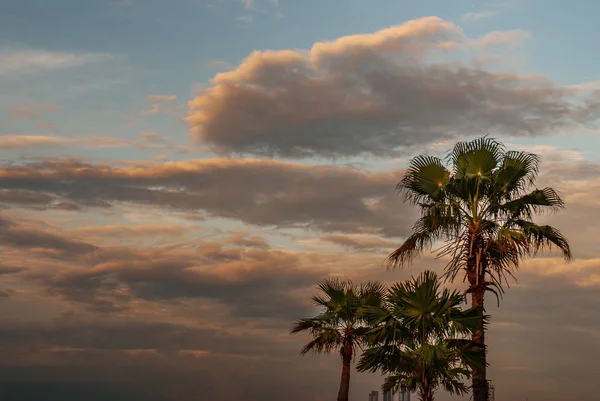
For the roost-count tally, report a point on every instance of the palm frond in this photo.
(424, 178)
(426, 231)
(477, 158)
(532, 203)
(543, 237)
(518, 171)
(327, 340)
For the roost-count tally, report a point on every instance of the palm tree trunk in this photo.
(345, 380)
(480, 384)
(425, 391)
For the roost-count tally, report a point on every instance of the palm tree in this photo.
(340, 326)
(420, 338)
(483, 206)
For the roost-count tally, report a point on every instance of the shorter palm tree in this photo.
(420, 339)
(340, 326)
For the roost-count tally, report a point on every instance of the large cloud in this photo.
(376, 93)
(240, 273)
(270, 193)
(132, 360)
(155, 290)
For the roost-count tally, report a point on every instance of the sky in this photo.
(177, 176)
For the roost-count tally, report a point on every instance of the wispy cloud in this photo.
(505, 38)
(249, 4)
(246, 18)
(162, 98)
(35, 111)
(32, 61)
(147, 140)
(213, 65)
(26, 141)
(159, 107)
(477, 16)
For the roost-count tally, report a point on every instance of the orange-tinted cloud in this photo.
(18, 61)
(26, 141)
(36, 111)
(162, 98)
(147, 140)
(268, 193)
(376, 93)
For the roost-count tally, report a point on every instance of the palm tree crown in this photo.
(419, 338)
(483, 206)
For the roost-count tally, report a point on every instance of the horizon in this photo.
(177, 177)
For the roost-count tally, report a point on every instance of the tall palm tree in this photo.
(340, 326)
(482, 203)
(420, 338)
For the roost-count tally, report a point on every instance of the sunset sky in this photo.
(176, 176)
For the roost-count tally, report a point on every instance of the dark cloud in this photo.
(7, 269)
(25, 198)
(240, 239)
(63, 391)
(377, 94)
(121, 335)
(251, 283)
(35, 200)
(242, 273)
(361, 243)
(145, 355)
(12, 234)
(79, 356)
(531, 339)
(270, 193)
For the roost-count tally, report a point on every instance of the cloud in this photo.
(15, 61)
(15, 235)
(377, 94)
(241, 272)
(242, 239)
(162, 98)
(152, 137)
(36, 111)
(27, 141)
(360, 242)
(266, 193)
(97, 361)
(193, 343)
(6, 269)
(159, 107)
(148, 140)
(34, 200)
(249, 4)
(504, 38)
(477, 16)
(246, 18)
(123, 231)
(213, 304)
(122, 335)
(217, 65)
(251, 283)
